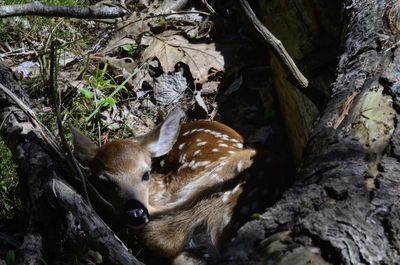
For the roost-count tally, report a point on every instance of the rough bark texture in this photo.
(346, 210)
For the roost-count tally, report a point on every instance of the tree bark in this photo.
(346, 208)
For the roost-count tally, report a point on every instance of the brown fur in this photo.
(189, 191)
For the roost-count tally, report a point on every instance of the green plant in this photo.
(130, 49)
(104, 84)
(10, 257)
(8, 183)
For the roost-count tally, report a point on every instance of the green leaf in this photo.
(86, 93)
(129, 48)
(109, 101)
(10, 257)
(121, 86)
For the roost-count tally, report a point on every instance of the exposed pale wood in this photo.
(38, 9)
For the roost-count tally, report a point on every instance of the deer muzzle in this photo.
(136, 213)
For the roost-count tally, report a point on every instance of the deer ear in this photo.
(84, 149)
(160, 140)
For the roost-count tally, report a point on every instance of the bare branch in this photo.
(38, 9)
(277, 46)
(102, 236)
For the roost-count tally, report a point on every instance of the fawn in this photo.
(193, 191)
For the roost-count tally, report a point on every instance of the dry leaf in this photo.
(169, 88)
(200, 57)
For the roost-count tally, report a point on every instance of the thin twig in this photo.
(277, 46)
(55, 97)
(164, 15)
(38, 9)
(209, 7)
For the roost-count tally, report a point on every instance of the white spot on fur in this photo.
(223, 145)
(162, 163)
(192, 163)
(184, 165)
(196, 152)
(239, 145)
(182, 158)
(186, 133)
(214, 150)
(198, 140)
(231, 152)
(180, 147)
(234, 140)
(239, 166)
(201, 143)
(204, 163)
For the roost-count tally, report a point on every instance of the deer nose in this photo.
(136, 213)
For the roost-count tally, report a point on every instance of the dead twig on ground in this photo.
(38, 9)
(269, 39)
(209, 7)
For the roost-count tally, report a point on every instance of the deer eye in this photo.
(146, 176)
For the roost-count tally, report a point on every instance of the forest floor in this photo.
(119, 78)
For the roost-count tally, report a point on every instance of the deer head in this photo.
(121, 168)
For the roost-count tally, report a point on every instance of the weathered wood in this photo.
(346, 209)
(38, 9)
(96, 229)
